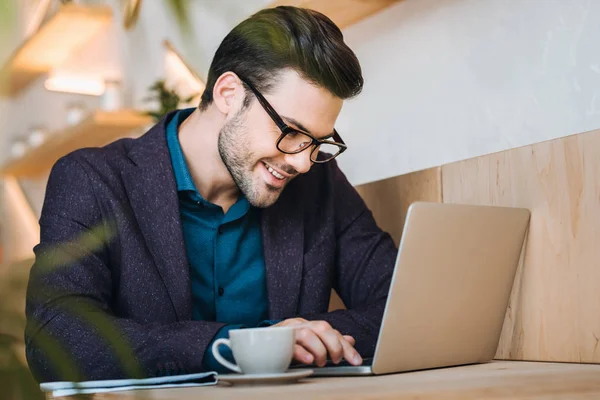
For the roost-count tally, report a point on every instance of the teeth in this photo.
(275, 173)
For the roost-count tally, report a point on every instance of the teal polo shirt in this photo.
(224, 250)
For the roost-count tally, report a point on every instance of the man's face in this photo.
(247, 140)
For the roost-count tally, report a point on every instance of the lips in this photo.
(274, 172)
(273, 177)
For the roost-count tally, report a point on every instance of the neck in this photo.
(198, 136)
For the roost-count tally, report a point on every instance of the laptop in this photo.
(450, 289)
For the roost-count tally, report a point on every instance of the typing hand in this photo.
(315, 340)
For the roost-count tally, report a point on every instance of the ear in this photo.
(228, 93)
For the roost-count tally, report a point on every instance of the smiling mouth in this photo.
(274, 173)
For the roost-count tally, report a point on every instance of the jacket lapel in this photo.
(152, 192)
(282, 228)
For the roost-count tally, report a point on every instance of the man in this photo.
(228, 216)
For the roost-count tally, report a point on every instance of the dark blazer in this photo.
(109, 295)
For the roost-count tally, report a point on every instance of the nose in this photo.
(300, 161)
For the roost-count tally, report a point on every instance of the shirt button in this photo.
(221, 291)
(220, 230)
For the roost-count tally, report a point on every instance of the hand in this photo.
(316, 339)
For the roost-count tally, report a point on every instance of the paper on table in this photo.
(61, 389)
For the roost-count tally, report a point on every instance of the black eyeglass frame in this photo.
(286, 130)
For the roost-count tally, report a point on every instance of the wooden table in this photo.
(495, 380)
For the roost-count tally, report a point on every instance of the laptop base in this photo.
(343, 371)
(344, 368)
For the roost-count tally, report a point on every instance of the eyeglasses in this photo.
(293, 141)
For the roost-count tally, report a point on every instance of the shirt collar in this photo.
(183, 178)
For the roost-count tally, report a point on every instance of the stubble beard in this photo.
(234, 149)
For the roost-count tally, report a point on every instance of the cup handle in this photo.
(220, 358)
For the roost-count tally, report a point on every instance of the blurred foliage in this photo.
(180, 9)
(8, 20)
(165, 98)
(16, 381)
(7, 8)
(8, 12)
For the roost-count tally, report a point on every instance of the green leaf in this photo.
(180, 8)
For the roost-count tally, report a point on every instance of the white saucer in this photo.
(265, 379)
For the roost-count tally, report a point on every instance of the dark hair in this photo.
(274, 39)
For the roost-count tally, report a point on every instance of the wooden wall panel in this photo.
(390, 198)
(554, 314)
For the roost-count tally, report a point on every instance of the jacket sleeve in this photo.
(72, 332)
(365, 260)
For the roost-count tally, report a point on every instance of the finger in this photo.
(349, 339)
(331, 338)
(302, 355)
(291, 322)
(296, 321)
(350, 353)
(308, 339)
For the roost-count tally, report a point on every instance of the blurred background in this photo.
(445, 80)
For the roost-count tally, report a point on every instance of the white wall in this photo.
(445, 79)
(453, 79)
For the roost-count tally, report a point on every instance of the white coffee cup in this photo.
(258, 350)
